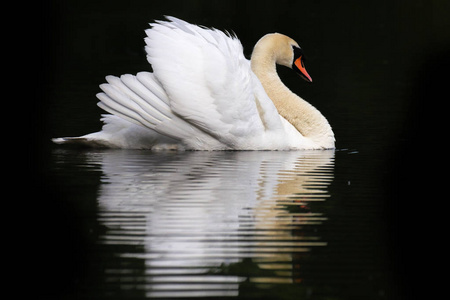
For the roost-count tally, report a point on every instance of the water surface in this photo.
(218, 224)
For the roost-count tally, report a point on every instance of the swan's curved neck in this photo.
(302, 115)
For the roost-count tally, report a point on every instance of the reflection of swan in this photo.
(198, 212)
(204, 95)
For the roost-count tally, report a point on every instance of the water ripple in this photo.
(197, 223)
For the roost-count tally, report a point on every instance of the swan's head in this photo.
(284, 51)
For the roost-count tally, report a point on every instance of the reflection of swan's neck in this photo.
(302, 115)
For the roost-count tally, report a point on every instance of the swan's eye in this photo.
(298, 52)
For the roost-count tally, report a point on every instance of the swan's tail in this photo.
(142, 117)
(119, 133)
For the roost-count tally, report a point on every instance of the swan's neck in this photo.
(302, 115)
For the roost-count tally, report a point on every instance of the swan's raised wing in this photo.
(209, 82)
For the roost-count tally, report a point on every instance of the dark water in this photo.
(338, 224)
(277, 225)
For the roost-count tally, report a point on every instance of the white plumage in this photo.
(202, 95)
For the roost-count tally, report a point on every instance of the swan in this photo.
(203, 94)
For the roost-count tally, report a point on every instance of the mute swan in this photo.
(204, 94)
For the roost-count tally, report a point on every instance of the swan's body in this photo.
(204, 94)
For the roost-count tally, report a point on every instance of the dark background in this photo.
(379, 69)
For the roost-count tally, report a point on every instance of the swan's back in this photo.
(201, 95)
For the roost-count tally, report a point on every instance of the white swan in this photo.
(204, 94)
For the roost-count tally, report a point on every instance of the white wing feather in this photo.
(209, 81)
(202, 94)
(130, 98)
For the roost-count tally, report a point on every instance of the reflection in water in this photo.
(208, 223)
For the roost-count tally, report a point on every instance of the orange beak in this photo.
(301, 67)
